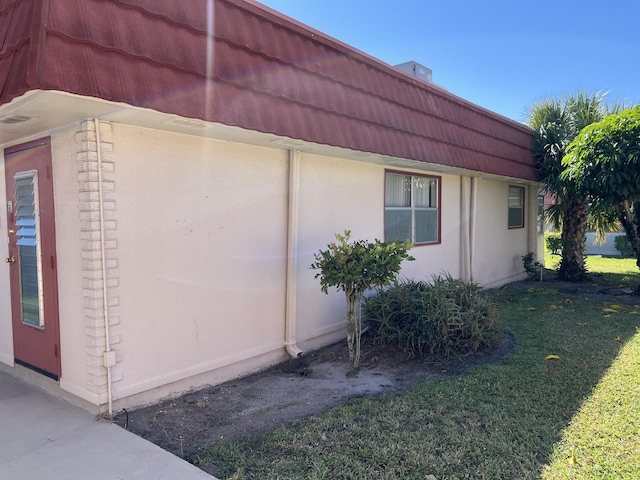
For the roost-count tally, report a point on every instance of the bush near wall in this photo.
(623, 245)
(553, 241)
(442, 317)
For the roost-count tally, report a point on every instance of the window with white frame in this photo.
(516, 207)
(412, 208)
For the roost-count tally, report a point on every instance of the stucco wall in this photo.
(498, 249)
(73, 339)
(607, 248)
(201, 243)
(335, 195)
(201, 250)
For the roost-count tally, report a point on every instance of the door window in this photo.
(28, 232)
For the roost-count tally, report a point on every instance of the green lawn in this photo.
(525, 417)
(609, 270)
(603, 439)
(599, 264)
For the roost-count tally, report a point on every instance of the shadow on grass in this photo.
(586, 335)
(603, 438)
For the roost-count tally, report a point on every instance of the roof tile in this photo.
(269, 74)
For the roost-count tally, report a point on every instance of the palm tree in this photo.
(556, 122)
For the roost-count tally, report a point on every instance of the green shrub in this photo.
(554, 242)
(531, 265)
(441, 317)
(623, 245)
(355, 267)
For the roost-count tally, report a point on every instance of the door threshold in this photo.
(39, 370)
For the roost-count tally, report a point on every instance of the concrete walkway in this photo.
(42, 436)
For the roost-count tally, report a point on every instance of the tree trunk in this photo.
(354, 328)
(630, 219)
(574, 239)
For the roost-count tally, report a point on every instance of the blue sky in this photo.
(501, 55)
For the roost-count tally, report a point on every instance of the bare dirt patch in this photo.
(292, 390)
(319, 380)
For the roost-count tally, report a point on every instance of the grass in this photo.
(610, 270)
(602, 441)
(524, 417)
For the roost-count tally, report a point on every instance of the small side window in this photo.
(516, 207)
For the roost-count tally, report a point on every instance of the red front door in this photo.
(32, 257)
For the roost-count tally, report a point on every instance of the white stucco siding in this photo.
(497, 250)
(335, 195)
(201, 249)
(64, 150)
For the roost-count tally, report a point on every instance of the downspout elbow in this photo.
(293, 350)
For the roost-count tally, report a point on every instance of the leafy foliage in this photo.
(442, 317)
(622, 244)
(360, 265)
(355, 267)
(604, 162)
(604, 158)
(554, 242)
(531, 265)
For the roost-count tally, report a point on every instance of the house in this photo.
(170, 168)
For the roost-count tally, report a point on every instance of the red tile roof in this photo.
(257, 70)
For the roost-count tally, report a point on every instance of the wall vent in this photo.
(14, 119)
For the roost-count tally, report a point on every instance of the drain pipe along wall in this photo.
(109, 355)
(290, 342)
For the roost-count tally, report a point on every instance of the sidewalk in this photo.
(45, 437)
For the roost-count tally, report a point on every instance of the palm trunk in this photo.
(574, 239)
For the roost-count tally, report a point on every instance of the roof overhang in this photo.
(40, 112)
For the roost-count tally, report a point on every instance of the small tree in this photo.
(604, 162)
(355, 268)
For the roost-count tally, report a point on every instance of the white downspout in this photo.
(472, 223)
(109, 355)
(465, 235)
(292, 255)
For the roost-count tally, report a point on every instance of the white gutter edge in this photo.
(292, 256)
